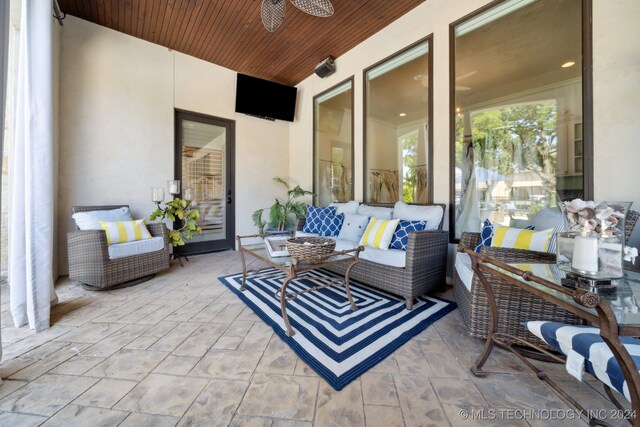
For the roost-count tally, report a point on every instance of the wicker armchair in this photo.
(514, 305)
(89, 261)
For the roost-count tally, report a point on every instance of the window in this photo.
(521, 134)
(397, 132)
(333, 144)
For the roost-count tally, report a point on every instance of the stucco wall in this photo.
(616, 91)
(118, 93)
(117, 100)
(616, 69)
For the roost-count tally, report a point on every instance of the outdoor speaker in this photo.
(326, 67)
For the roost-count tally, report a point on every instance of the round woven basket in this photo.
(304, 248)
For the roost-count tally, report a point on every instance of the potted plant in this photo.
(179, 210)
(283, 212)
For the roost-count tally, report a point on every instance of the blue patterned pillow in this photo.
(486, 234)
(314, 218)
(330, 225)
(400, 238)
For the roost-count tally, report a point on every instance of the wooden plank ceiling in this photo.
(230, 32)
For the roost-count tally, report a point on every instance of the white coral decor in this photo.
(586, 216)
(630, 254)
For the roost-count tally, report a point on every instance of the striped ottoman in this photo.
(586, 350)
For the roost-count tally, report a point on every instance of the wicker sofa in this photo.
(89, 261)
(424, 270)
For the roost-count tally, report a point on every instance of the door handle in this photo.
(229, 200)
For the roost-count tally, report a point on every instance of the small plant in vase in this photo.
(179, 210)
(283, 212)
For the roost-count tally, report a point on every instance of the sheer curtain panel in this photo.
(31, 173)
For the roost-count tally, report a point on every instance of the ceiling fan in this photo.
(273, 11)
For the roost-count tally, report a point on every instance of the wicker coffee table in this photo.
(293, 267)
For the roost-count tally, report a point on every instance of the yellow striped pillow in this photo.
(516, 238)
(379, 233)
(125, 231)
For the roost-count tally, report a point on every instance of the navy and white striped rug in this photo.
(339, 344)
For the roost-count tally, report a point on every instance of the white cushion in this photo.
(550, 218)
(121, 250)
(464, 270)
(432, 215)
(377, 211)
(91, 220)
(390, 257)
(303, 234)
(353, 226)
(344, 244)
(346, 208)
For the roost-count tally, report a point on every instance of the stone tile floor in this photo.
(183, 350)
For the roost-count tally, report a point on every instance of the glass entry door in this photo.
(204, 163)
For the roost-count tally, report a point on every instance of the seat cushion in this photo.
(584, 346)
(390, 257)
(91, 220)
(304, 234)
(464, 270)
(121, 250)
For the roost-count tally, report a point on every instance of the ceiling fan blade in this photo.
(321, 8)
(272, 14)
(462, 88)
(464, 76)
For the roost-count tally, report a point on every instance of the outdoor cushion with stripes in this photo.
(586, 350)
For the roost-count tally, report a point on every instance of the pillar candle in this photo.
(174, 186)
(585, 254)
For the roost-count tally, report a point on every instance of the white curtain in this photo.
(31, 173)
(4, 50)
(467, 214)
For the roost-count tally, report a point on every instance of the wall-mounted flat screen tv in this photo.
(265, 99)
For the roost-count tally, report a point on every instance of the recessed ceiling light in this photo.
(458, 110)
(568, 64)
(402, 114)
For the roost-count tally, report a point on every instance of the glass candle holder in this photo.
(592, 256)
(187, 194)
(174, 186)
(157, 194)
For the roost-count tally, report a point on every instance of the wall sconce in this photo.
(173, 188)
